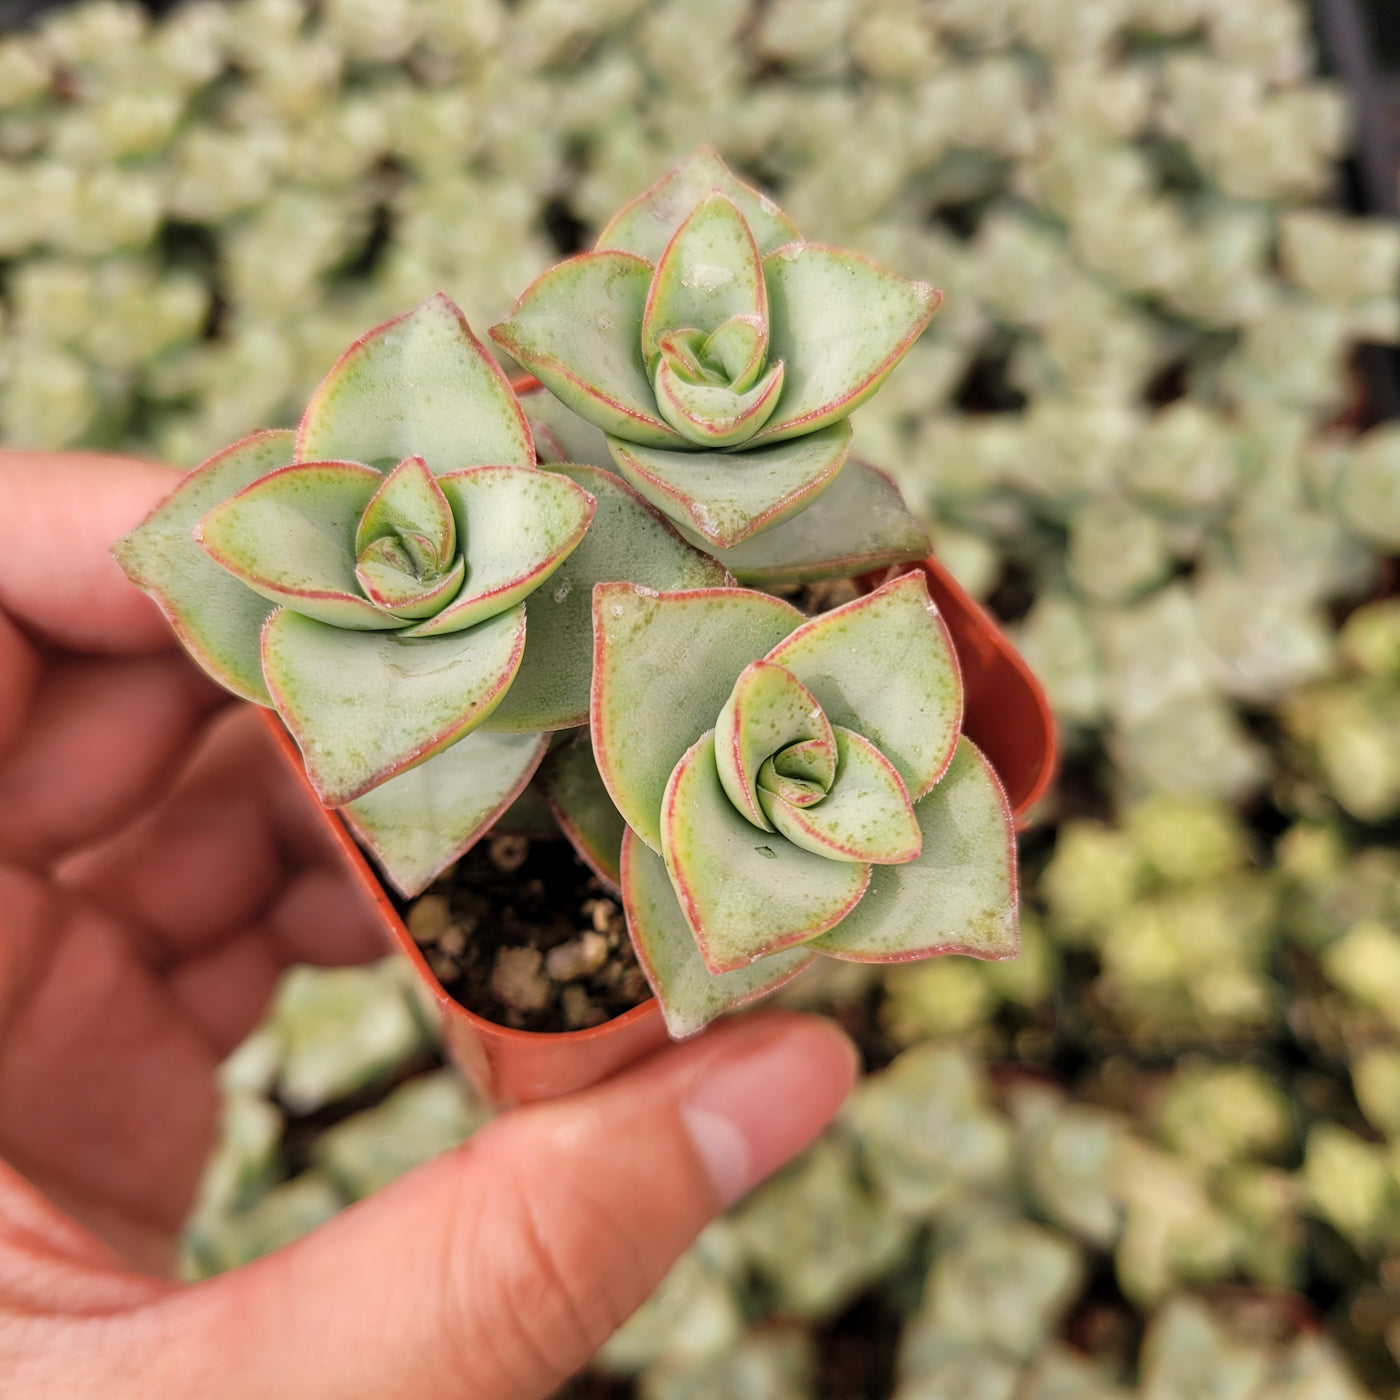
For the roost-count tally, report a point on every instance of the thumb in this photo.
(497, 1270)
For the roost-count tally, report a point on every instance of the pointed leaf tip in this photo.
(421, 384)
(840, 323)
(217, 616)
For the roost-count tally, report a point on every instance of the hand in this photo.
(157, 871)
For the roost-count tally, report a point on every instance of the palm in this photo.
(157, 870)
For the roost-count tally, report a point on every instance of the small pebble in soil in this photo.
(579, 957)
(508, 852)
(518, 979)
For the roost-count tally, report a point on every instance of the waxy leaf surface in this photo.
(884, 666)
(363, 706)
(291, 537)
(840, 323)
(768, 710)
(627, 540)
(959, 896)
(664, 664)
(745, 893)
(865, 816)
(714, 415)
(859, 523)
(649, 222)
(577, 329)
(690, 995)
(218, 618)
(726, 497)
(708, 272)
(421, 820)
(515, 526)
(421, 384)
(410, 502)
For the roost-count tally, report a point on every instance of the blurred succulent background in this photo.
(1158, 1156)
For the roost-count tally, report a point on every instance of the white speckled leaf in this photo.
(726, 497)
(419, 384)
(419, 821)
(690, 995)
(664, 664)
(959, 896)
(884, 666)
(363, 706)
(217, 617)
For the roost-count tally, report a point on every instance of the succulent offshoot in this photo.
(792, 787)
(720, 353)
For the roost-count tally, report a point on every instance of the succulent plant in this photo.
(791, 787)
(371, 577)
(721, 354)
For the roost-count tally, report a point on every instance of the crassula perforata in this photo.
(791, 787)
(720, 353)
(403, 584)
(430, 595)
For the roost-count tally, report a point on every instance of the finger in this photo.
(236, 842)
(497, 1270)
(62, 512)
(103, 736)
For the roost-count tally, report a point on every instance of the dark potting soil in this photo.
(521, 932)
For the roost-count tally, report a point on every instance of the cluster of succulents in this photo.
(1135, 426)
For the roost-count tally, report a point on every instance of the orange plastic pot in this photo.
(1006, 716)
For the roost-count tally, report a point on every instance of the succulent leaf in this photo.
(628, 540)
(218, 619)
(864, 815)
(959, 895)
(516, 526)
(577, 329)
(290, 536)
(663, 666)
(409, 505)
(421, 384)
(715, 415)
(768, 711)
(421, 820)
(709, 273)
(573, 787)
(884, 666)
(744, 893)
(840, 323)
(689, 994)
(386, 571)
(857, 524)
(363, 706)
(726, 497)
(647, 224)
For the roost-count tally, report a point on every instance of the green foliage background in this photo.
(1136, 430)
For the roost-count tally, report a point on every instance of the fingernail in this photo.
(753, 1109)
